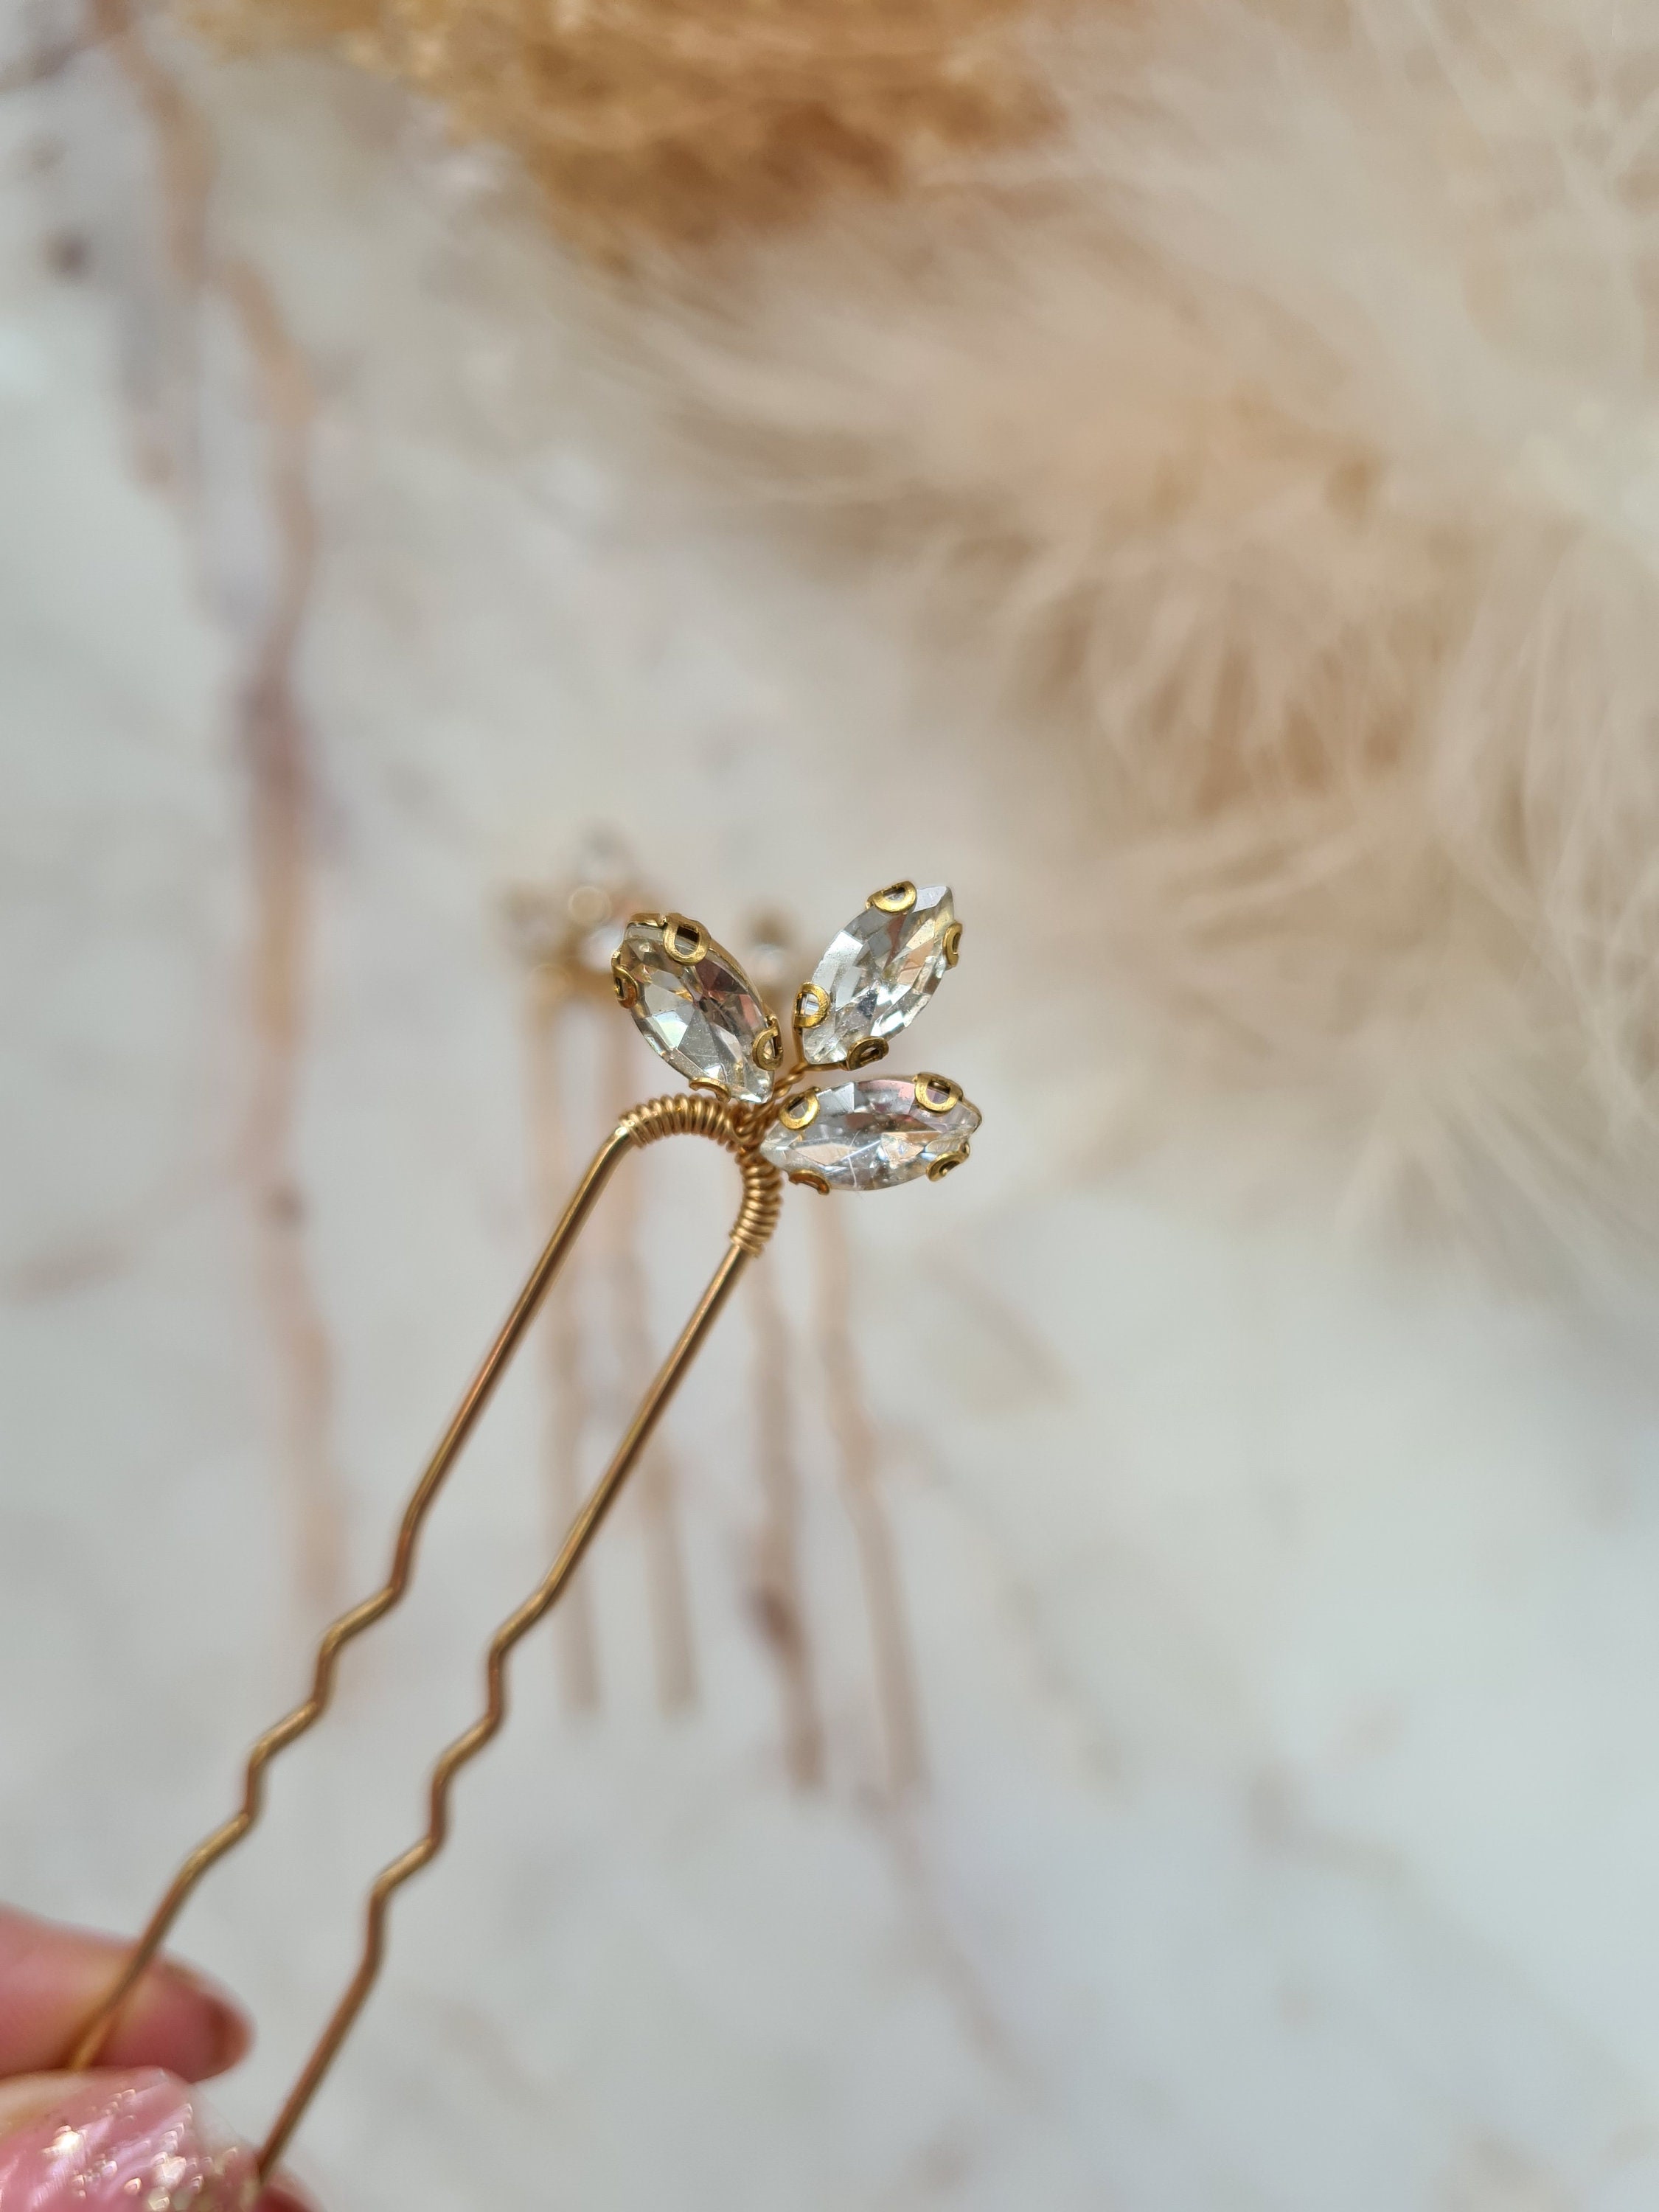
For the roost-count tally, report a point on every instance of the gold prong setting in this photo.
(895, 898)
(937, 1093)
(686, 942)
(696, 1007)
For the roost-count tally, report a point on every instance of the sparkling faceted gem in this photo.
(702, 1015)
(877, 974)
(870, 1134)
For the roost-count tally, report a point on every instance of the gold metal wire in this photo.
(682, 1114)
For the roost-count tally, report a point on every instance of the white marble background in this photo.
(1285, 1618)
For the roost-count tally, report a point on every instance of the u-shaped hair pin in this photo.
(697, 1009)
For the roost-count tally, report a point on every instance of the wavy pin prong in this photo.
(699, 1011)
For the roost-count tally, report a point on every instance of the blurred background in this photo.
(1129, 1681)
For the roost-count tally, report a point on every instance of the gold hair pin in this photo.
(696, 1008)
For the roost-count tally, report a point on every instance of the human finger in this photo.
(51, 1978)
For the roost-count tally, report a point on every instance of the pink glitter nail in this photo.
(126, 2142)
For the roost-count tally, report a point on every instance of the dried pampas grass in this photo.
(1281, 444)
(1274, 438)
(674, 119)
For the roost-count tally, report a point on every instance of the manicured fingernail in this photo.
(141, 2142)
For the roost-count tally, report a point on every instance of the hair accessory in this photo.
(697, 1009)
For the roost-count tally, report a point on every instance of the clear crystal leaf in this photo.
(874, 1133)
(876, 976)
(701, 1013)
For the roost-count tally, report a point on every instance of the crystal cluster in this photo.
(873, 1132)
(696, 1007)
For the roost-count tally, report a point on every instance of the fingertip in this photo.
(180, 2019)
(224, 2030)
(53, 1979)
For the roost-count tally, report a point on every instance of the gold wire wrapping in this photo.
(700, 1113)
(675, 119)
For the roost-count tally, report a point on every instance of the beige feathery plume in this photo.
(1276, 440)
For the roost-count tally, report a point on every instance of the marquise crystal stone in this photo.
(703, 1016)
(871, 1134)
(877, 974)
